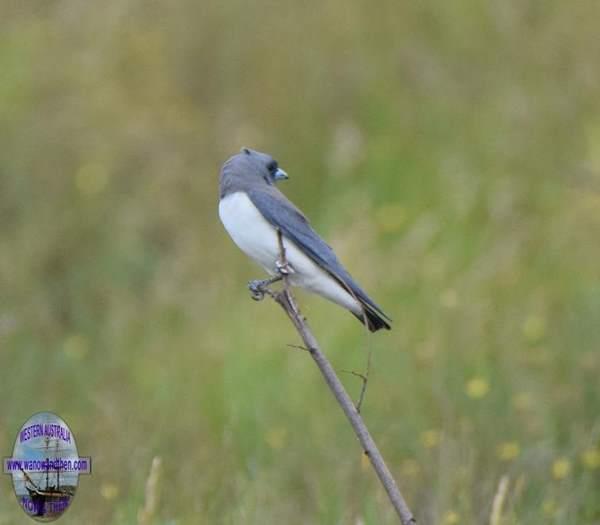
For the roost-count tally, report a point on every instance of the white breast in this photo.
(249, 229)
(257, 238)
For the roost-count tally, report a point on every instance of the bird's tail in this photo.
(374, 320)
(370, 315)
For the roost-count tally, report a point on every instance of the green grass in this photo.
(450, 154)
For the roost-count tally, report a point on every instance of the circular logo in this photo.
(45, 466)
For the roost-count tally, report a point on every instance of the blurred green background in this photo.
(450, 152)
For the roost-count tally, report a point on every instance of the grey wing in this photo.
(281, 213)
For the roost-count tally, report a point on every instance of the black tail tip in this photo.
(374, 320)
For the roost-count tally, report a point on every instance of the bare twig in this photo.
(363, 390)
(286, 300)
(298, 347)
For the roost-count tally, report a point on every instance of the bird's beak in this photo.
(280, 175)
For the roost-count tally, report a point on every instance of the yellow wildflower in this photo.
(534, 328)
(561, 468)
(591, 458)
(549, 507)
(109, 491)
(477, 388)
(451, 518)
(508, 450)
(431, 438)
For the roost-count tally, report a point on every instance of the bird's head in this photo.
(264, 164)
(251, 167)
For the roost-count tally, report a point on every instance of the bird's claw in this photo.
(257, 291)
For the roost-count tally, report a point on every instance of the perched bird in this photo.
(252, 210)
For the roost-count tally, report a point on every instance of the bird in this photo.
(258, 216)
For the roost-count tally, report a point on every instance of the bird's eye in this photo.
(272, 166)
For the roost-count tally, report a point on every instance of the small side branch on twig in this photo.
(364, 379)
(286, 300)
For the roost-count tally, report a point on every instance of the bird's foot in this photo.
(283, 267)
(257, 288)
